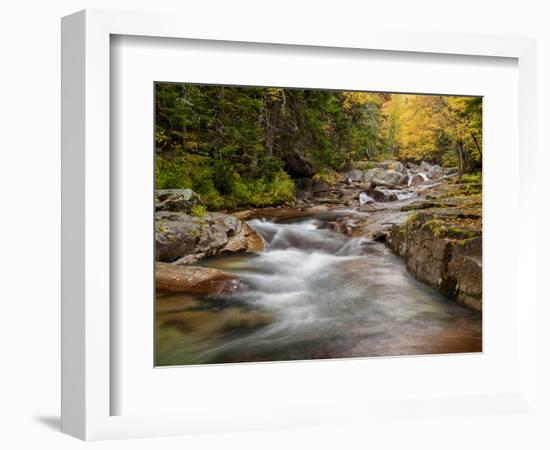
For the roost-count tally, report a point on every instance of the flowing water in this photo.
(313, 294)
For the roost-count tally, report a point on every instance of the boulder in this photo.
(386, 176)
(354, 175)
(381, 195)
(378, 175)
(244, 214)
(186, 239)
(393, 177)
(371, 174)
(400, 167)
(195, 280)
(381, 183)
(180, 200)
(320, 186)
(246, 240)
(417, 178)
(435, 172)
(425, 167)
(178, 234)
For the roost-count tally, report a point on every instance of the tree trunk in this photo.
(478, 147)
(460, 158)
(273, 112)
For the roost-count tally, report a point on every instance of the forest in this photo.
(250, 146)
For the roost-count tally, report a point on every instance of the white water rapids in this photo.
(329, 296)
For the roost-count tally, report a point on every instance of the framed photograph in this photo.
(253, 219)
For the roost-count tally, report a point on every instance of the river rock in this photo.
(186, 239)
(244, 214)
(417, 178)
(386, 176)
(380, 195)
(354, 175)
(377, 182)
(378, 175)
(399, 167)
(246, 240)
(435, 172)
(195, 280)
(181, 200)
(320, 186)
(396, 178)
(425, 167)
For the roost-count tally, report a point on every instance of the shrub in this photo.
(327, 176)
(260, 192)
(198, 211)
(472, 178)
(221, 187)
(364, 165)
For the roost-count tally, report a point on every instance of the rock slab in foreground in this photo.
(195, 280)
(186, 239)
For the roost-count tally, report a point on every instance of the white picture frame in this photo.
(87, 386)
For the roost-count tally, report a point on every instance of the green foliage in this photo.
(410, 223)
(440, 228)
(327, 176)
(242, 146)
(260, 192)
(364, 165)
(472, 178)
(469, 184)
(198, 211)
(212, 140)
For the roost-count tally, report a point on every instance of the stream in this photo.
(314, 294)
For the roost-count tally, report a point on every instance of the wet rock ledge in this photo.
(186, 233)
(443, 248)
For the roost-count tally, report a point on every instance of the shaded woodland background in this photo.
(248, 146)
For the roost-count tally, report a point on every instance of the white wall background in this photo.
(30, 198)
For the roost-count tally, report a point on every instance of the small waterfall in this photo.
(411, 175)
(404, 195)
(306, 236)
(364, 198)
